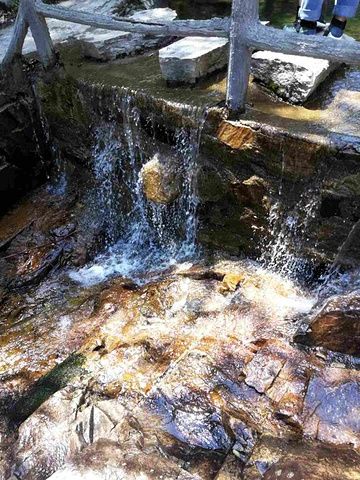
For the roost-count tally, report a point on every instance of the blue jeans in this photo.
(311, 9)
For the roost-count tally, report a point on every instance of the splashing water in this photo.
(288, 231)
(145, 236)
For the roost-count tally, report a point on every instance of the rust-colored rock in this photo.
(296, 459)
(250, 191)
(161, 180)
(336, 327)
(236, 136)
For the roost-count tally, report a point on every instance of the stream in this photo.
(130, 351)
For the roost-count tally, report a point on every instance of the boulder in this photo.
(191, 58)
(336, 327)
(291, 77)
(161, 180)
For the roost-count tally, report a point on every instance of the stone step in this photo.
(191, 58)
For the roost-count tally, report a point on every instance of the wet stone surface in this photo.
(194, 376)
(336, 327)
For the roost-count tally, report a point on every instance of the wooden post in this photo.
(40, 33)
(244, 14)
(17, 40)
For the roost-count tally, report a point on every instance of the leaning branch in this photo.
(268, 38)
(178, 28)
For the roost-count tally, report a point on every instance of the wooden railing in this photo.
(244, 30)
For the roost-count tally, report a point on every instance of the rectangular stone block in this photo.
(191, 58)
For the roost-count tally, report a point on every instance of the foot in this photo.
(297, 28)
(330, 35)
(343, 37)
(336, 28)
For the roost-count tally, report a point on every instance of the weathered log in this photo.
(180, 28)
(268, 38)
(244, 13)
(17, 40)
(40, 33)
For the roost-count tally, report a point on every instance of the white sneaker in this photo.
(343, 37)
(330, 35)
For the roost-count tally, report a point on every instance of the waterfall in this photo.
(141, 236)
(288, 230)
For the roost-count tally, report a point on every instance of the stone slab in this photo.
(291, 77)
(191, 58)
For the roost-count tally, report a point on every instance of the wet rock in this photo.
(230, 282)
(48, 264)
(46, 439)
(297, 459)
(231, 469)
(264, 368)
(250, 191)
(63, 426)
(191, 58)
(133, 455)
(22, 160)
(237, 136)
(161, 180)
(291, 77)
(331, 406)
(336, 327)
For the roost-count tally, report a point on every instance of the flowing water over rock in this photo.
(152, 235)
(156, 359)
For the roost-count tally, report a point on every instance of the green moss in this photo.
(61, 99)
(350, 184)
(50, 383)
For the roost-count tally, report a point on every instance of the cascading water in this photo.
(288, 231)
(145, 236)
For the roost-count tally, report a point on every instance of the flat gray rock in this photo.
(191, 58)
(291, 77)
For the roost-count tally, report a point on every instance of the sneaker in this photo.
(343, 37)
(307, 31)
(296, 28)
(330, 35)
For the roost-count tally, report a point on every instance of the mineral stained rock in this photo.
(161, 180)
(336, 327)
(292, 458)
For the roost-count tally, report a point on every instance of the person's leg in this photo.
(310, 10)
(309, 13)
(342, 10)
(345, 9)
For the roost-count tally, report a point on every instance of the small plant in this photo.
(127, 7)
(11, 7)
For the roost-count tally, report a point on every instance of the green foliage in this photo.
(127, 7)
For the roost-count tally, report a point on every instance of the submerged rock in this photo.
(291, 77)
(161, 180)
